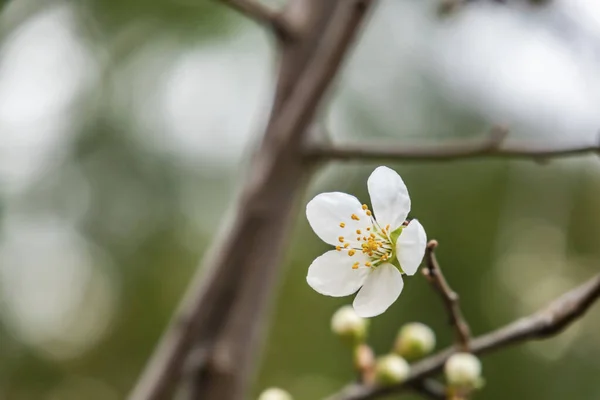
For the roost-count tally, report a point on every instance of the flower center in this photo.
(376, 243)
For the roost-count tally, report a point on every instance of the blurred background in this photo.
(123, 128)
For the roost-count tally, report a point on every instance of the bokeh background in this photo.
(125, 126)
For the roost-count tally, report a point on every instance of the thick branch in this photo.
(545, 323)
(459, 150)
(433, 273)
(216, 331)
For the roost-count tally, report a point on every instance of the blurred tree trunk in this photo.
(221, 320)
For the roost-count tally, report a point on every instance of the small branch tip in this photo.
(449, 297)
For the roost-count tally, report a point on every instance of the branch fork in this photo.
(264, 15)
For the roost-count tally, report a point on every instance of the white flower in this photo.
(372, 251)
(274, 394)
(463, 370)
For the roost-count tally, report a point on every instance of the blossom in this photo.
(347, 324)
(463, 370)
(391, 369)
(414, 340)
(372, 249)
(275, 394)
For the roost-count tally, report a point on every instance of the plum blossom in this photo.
(463, 370)
(373, 249)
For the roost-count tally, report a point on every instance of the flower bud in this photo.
(391, 369)
(463, 370)
(414, 341)
(275, 394)
(364, 358)
(348, 325)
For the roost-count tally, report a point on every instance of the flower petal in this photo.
(326, 211)
(410, 247)
(382, 287)
(389, 197)
(332, 275)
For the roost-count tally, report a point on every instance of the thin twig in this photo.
(264, 15)
(491, 147)
(434, 275)
(545, 323)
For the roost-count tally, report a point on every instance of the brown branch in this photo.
(545, 323)
(434, 275)
(491, 147)
(264, 15)
(215, 334)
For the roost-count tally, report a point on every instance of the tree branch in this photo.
(491, 147)
(545, 323)
(264, 15)
(215, 334)
(433, 273)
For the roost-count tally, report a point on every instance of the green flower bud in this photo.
(275, 394)
(391, 369)
(463, 370)
(348, 325)
(414, 340)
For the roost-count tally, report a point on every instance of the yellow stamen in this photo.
(358, 238)
(341, 239)
(365, 207)
(371, 246)
(355, 217)
(387, 228)
(368, 229)
(342, 225)
(355, 265)
(372, 235)
(338, 248)
(346, 245)
(369, 213)
(367, 264)
(358, 231)
(351, 252)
